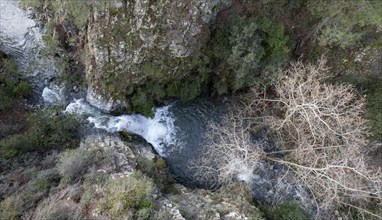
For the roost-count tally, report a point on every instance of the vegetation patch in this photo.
(73, 164)
(241, 48)
(45, 131)
(129, 196)
(287, 211)
(12, 86)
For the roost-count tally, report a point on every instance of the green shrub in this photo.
(94, 177)
(343, 23)
(239, 44)
(11, 85)
(45, 132)
(11, 68)
(374, 109)
(5, 100)
(53, 208)
(287, 211)
(53, 132)
(36, 4)
(160, 164)
(51, 46)
(242, 47)
(142, 103)
(129, 194)
(11, 208)
(73, 164)
(15, 206)
(45, 180)
(372, 88)
(16, 144)
(146, 166)
(274, 41)
(22, 89)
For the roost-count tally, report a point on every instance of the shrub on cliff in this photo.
(11, 85)
(11, 208)
(287, 211)
(242, 47)
(16, 205)
(53, 131)
(45, 131)
(128, 196)
(343, 23)
(53, 208)
(73, 164)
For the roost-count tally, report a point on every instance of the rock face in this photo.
(136, 49)
(124, 159)
(229, 203)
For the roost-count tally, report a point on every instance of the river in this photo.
(175, 132)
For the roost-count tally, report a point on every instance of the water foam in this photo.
(159, 131)
(54, 95)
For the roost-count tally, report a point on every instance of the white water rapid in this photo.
(159, 131)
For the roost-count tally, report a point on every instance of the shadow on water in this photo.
(191, 123)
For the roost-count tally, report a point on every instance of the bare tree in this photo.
(319, 128)
(228, 154)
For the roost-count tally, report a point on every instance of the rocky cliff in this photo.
(140, 52)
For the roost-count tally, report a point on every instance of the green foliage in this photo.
(160, 164)
(157, 172)
(129, 194)
(372, 88)
(45, 180)
(147, 166)
(274, 40)
(287, 211)
(53, 208)
(45, 132)
(374, 110)
(343, 23)
(11, 85)
(11, 68)
(22, 89)
(242, 47)
(31, 3)
(142, 103)
(14, 145)
(5, 100)
(93, 177)
(78, 11)
(51, 46)
(53, 132)
(73, 164)
(93, 180)
(11, 208)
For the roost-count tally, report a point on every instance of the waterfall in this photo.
(159, 131)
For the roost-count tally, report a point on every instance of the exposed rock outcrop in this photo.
(228, 203)
(135, 50)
